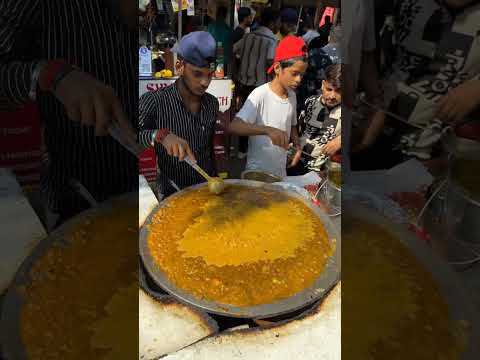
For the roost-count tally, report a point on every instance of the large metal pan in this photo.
(322, 285)
(461, 309)
(10, 337)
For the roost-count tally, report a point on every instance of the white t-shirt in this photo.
(265, 108)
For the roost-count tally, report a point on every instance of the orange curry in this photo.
(79, 303)
(391, 306)
(247, 247)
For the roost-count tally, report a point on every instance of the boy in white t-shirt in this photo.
(269, 116)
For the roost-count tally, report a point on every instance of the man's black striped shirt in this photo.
(165, 109)
(87, 34)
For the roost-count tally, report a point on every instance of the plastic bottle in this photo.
(220, 62)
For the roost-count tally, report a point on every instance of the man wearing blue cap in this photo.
(185, 109)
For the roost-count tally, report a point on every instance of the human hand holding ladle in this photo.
(216, 185)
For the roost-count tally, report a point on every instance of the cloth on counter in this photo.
(410, 176)
(21, 228)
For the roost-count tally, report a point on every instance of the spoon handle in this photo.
(198, 168)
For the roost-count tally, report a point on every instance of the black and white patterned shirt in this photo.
(165, 109)
(87, 34)
(319, 123)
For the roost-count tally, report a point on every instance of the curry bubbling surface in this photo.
(247, 247)
(79, 301)
(391, 306)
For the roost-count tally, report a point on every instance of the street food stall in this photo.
(156, 44)
(252, 273)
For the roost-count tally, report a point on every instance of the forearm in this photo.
(147, 115)
(376, 126)
(294, 137)
(148, 138)
(16, 82)
(369, 78)
(349, 92)
(15, 74)
(145, 137)
(241, 128)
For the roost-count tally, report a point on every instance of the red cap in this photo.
(289, 48)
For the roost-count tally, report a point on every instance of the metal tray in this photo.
(10, 338)
(461, 309)
(329, 277)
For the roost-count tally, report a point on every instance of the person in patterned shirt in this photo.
(320, 123)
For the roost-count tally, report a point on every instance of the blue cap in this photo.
(197, 48)
(289, 16)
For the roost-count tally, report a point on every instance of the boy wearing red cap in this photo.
(269, 116)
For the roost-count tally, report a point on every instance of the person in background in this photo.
(320, 122)
(334, 34)
(288, 25)
(324, 31)
(310, 33)
(245, 19)
(222, 33)
(255, 52)
(334, 46)
(319, 59)
(257, 12)
(187, 110)
(421, 87)
(269, 116)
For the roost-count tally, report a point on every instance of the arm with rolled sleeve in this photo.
(16, 74)
(244, 123)
(147, 116)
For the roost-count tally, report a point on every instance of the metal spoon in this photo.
(216, 185)
(83, 192)
(117, 133)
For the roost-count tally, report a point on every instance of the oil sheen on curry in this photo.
(391, 306)
(247, 247)
(79, 302)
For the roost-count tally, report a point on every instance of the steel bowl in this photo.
(462, 209)
(262, 176)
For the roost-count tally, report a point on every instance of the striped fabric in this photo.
(87, 34)
(165, 109)
(255, 50)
